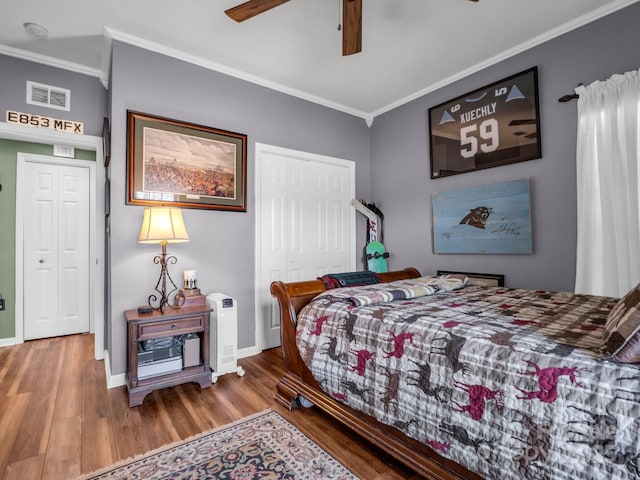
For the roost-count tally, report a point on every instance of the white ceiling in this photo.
(409, 47)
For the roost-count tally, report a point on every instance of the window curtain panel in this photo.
(608, 183)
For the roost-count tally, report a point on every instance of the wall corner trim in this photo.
(113, 381)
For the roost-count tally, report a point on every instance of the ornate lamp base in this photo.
(161, 286)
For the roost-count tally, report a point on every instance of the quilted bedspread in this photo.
(507, 382)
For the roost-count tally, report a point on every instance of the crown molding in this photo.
(220, 68)
(111, 34)
(49, 61)
(540, 39)
(105, 58)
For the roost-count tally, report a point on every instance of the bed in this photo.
(462, 381)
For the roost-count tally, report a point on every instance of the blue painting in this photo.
(492, 218)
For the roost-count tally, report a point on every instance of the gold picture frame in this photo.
(170, 162)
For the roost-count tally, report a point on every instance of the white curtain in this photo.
(608, 180)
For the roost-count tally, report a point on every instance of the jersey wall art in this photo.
(493, 219)
(495, 125)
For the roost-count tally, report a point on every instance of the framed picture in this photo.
(170, 162)
(492, 126)
(484, 279)
(486, 219)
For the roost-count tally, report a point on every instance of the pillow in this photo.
(350, 279)
(621, 337)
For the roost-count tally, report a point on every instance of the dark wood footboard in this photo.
(298, 382)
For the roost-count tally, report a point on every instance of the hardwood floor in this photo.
(58, 420)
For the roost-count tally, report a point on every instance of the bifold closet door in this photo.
(306, 222)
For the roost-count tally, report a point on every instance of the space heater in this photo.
(223, 336)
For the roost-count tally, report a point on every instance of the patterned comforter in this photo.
(507, 382)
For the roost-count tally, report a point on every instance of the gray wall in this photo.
(401, 184)
(88, 96)
(222, 243)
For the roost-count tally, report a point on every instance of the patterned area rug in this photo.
(264, 446)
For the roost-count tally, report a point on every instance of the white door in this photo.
(305, 226)
(56, 250)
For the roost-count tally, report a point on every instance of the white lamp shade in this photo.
(163, 224)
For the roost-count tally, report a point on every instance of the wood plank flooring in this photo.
(58, 420)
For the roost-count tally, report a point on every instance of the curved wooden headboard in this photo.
(292, 297)
(297, 294)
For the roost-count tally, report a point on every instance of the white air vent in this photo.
(48, 96)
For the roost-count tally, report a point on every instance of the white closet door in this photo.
(306, 225)
(56, 250)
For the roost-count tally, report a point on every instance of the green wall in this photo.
(8, 154)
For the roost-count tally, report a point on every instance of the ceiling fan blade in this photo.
(250, 9)
(351, 26)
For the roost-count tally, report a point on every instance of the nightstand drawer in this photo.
(170, 327)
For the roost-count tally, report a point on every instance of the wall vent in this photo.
(48, 96)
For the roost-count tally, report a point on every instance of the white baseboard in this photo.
(112, 380)
(8, 342)
(249, 352)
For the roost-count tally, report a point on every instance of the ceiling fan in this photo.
(351, 19)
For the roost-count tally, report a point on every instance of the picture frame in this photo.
(483, 219)
(484, 279)
(498, 124)
(176, 163)
(106, 142)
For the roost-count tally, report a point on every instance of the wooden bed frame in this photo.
(298, 382)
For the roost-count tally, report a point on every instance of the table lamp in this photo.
(163, 225)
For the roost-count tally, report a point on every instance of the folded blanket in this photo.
(349, 279)
(399, 290)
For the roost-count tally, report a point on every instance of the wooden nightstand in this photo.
(156, 325)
